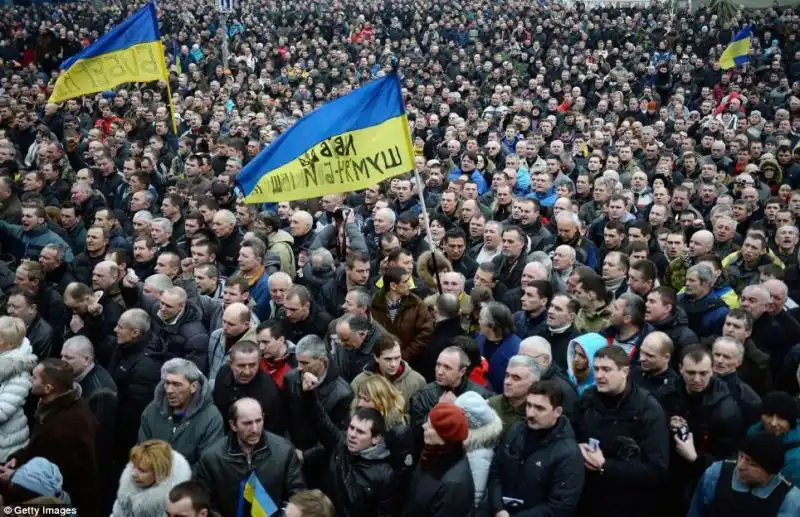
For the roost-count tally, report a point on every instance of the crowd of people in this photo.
(580, 304)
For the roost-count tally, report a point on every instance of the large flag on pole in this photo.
(738, 51)
(130, 52)
(347, 144)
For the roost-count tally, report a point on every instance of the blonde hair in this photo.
(155, 456)
(12, 331)
(387, 400)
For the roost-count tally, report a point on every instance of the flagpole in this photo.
(172, 109)
(435, 265)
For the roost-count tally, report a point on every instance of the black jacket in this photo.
(466, 265)
(633, 435)
(443, 488)
(539, 236)
(334, 394)
(557, 375)
(316, 323)
(228, 258)
(350, 362)
(657, 385)
(136, 370)
(421, 403)
(99, 329)
(40, 334)
(774, 338)
(716, 424)
(676, 326)
(262, 388)
(508, 273)
(100, 393)
(53, 311)
(443, 333)
(333, 292)
(559, 343)
(224, 467)
(361, 484)
(187, 338)
(60, 278)
(545, 473)
(746, 398)
(84, 265)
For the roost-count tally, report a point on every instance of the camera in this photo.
(683, 433)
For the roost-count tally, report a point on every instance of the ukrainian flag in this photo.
(261, 504)
(131, 52)
(738, 51)
(348, 144)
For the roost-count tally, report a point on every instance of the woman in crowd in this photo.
(154, 469)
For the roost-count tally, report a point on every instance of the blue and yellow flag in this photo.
(348, 144)
(261, 504)
(131, 52)
(738, 51)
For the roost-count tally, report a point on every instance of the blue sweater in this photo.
(498, 358)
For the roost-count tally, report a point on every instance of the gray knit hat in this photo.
(477, 410)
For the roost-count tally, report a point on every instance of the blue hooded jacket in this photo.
(475, 176)
(590, 343)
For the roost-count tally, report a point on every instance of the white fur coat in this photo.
(133, 501)
(16, 366)
(479, 447)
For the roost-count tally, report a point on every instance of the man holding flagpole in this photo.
(250, 472)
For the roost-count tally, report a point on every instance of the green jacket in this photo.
(407, 383)
(675, 276)
(508, 414)
(593, 321)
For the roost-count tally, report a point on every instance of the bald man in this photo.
(541, 351)
(301, 225)
(532, 271)
(701, 243)
(237, 325)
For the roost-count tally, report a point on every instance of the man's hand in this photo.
(448, 397)
(309, 381)
(130, 280)
(187, 266)
(593, 459)
(76, 323)
(676, 422)
(6, 473)
(95, 309)
(685, 448)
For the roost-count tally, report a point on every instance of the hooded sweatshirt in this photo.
(590, 343)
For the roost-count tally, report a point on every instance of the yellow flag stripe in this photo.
(139, 63)
(349, 161)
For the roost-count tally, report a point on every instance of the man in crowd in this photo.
(183, 411)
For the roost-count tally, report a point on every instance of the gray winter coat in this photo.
(194, 433)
